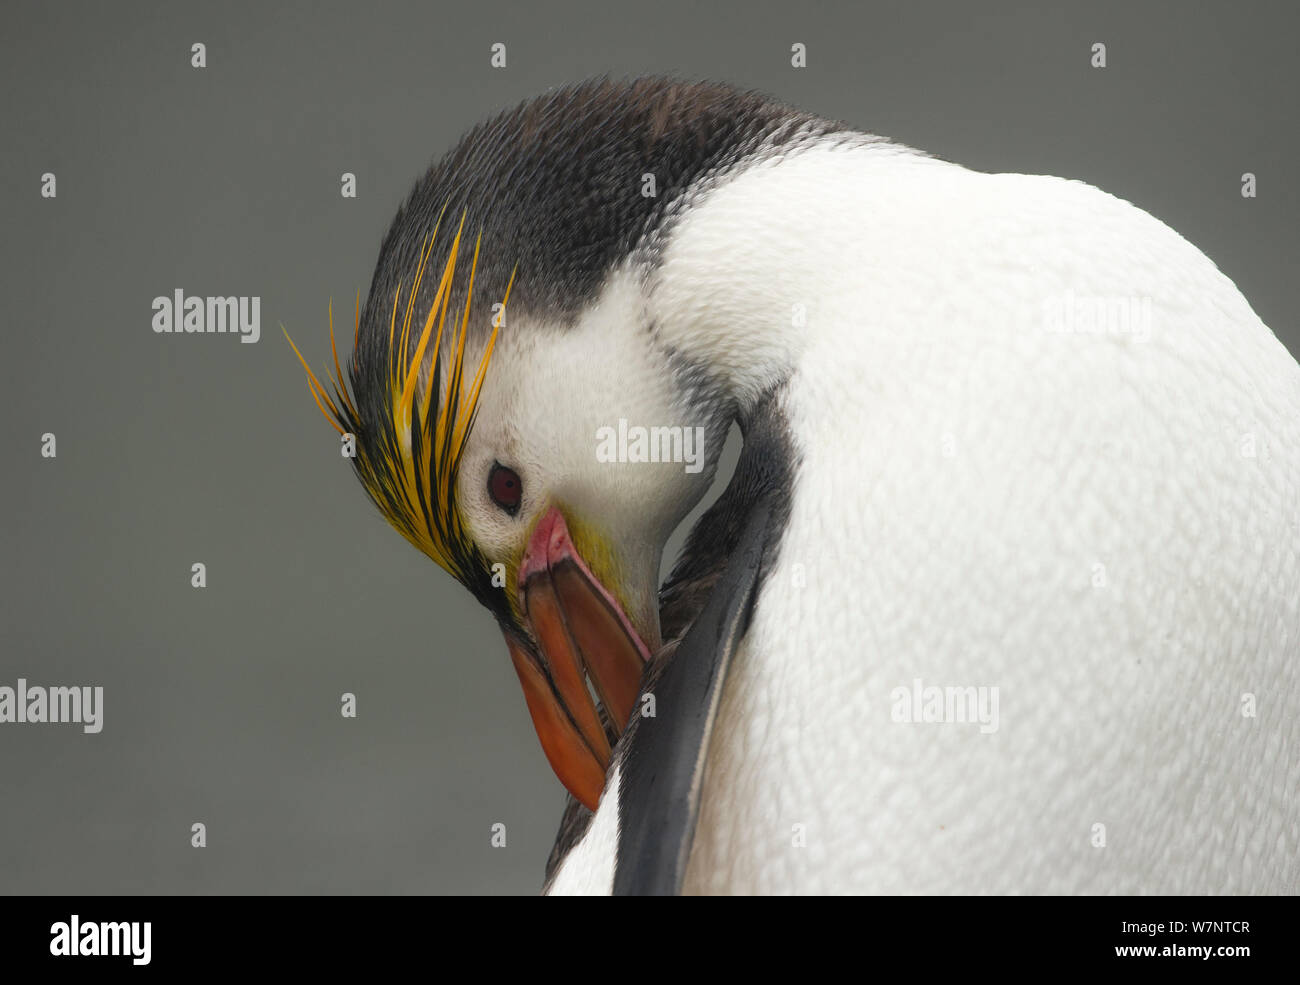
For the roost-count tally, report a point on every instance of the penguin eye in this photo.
(505, 488)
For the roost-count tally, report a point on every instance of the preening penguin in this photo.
(1004, 595)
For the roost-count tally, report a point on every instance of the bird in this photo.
(1003, 594)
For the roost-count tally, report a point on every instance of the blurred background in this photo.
(222, 704)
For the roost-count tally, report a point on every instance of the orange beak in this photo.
(579, 633)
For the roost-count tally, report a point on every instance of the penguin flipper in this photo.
(662, 763)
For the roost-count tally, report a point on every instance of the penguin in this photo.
(1003, 595)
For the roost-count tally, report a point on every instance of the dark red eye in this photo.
(505, 488)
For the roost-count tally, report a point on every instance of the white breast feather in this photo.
(1104, 527)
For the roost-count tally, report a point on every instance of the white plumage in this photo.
(1103, 525)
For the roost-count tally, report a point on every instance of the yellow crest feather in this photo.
(409, 467)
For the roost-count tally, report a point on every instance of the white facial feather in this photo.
(548, 393)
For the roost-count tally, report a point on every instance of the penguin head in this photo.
(515, 412)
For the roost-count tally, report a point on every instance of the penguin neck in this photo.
(753, 269)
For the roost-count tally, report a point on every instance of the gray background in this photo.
(222, 705)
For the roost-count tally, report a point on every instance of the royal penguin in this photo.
(1003, 595)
